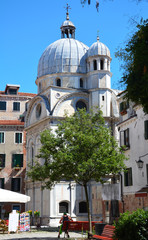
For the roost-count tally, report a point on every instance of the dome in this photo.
(67, 23)
(98, 48)
(64, 55)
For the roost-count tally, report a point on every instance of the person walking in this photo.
(64, 218)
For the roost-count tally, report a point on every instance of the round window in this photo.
(38, 110)
(80, 105)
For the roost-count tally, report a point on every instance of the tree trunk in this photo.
(88, 207)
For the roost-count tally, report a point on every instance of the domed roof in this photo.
(67, 23)
(98, 48)
(64, 55)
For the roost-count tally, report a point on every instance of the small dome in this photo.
(98, 48)
(64, 55)
(67, 23)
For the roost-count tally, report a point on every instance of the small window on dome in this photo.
(80, 105)
(95, 64)
(40, 87)
(58, 82)
(81, 83)
(101, 64)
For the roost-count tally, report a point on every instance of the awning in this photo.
(9, 196)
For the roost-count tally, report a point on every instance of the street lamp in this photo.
(140, 162)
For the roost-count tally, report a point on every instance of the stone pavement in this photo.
(36, 235)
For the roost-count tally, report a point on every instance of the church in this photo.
(70, 75)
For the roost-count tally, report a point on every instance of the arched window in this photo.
(80, 104)
(63, 207)
(58, 82)
(101, 64)
(95, 64)
(81, 83)
(82, 207)
(40, 87)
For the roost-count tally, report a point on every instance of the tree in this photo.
(81, 149)
(98, 2)
(135, 57)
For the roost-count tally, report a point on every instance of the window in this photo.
(124, 138)
(17, 160)
(101, 64)
(15, 184)
(16, 207)
(102, 98)
(18, 137)
(2, 160)
(16, 106)
(63, 207)
(123, 106)
(82, 207)
(128, 177)
(146, 129)
(95, 64)
(80, 104)
(1, 137)
(2, 183)
(38, 110)
(58, 82)
(2, 105)
(81, 83)
(12, 91)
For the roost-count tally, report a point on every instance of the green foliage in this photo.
(81, 149)
(132, 226)
(135, 59)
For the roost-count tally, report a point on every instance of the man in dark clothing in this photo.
(64, 218)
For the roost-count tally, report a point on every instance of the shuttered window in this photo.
(18, 137)
(1, 137)
(124, 138)
(16, 106)
(128, 177)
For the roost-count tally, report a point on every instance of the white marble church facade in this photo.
(70, 76)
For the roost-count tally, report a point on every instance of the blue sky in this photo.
(28, 26)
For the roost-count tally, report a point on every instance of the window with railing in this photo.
(17, 160)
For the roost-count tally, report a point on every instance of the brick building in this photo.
(12, 143)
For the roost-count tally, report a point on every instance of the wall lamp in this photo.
(140, 162)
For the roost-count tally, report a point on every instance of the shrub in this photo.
(132, 226)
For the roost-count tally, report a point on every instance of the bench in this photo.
(107, 233)
(78, 225)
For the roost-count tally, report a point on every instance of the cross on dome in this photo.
(67, 13)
